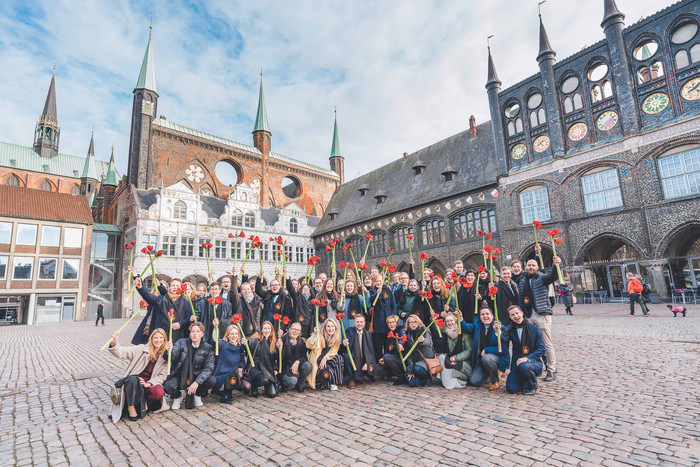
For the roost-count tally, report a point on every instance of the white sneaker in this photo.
(198, 401)
(334, 387)
(176, 403)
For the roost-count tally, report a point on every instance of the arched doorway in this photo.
(475, 260)
(683, 253)
(608, 259)
(547, 256)
(437, 267)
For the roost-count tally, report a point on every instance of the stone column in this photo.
(655, 276)
(576, 277)
(31, 309)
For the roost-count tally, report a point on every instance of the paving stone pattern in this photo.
(627, 394)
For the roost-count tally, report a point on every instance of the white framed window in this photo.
(180, 210)
(220, 249)
(169, 245)
(72, 237)
(50, 236)
(264, 251)
(47, 269)
(237, 219)
(26, 234)
(601, 190)
(3, 267)
(186, 246)
(249, 220)
(293, 226)
(534, 205)
(680, 173)
(309, 253)
(201, 250)
(300, 254)
(252, 253)
(148, 239)
(5, 232)
(71, 269)
(288, 250)
(22, 268)
(236, 249)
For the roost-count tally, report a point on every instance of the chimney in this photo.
(472, 127)
(405, 155)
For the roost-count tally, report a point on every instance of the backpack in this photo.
(646, 288)
(637, 286)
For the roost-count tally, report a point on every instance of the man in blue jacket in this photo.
(528, 349)
(534, 302)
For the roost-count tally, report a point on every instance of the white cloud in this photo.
(403, 74)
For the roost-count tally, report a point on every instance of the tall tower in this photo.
(493, 88)
(143, 112)
(262, 140)
(47, 131)
(336, 159)
(109, 186)
(90, 175)
(545, 58)
(613, 25)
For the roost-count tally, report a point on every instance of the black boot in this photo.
(254, 392)
(300, 386)
(270, 390)
(226, 397)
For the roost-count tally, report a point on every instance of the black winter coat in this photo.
(204, 360)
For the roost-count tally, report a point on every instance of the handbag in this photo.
(116, 395)
(434, 366)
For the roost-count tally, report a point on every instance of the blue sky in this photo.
(403, 73)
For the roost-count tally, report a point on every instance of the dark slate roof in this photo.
(270, 215)
(213, 206)
(146, 198)
(474, 159)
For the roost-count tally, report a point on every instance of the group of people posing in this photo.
(284, 334)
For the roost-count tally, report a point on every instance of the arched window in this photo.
(432, 232)
(377, 246)
(75, 190)
(467, 224)
(237, 219)
(518, 125)
(537, 114)
(597, 75)
(12, 180)
(293, 226)
(682, 60)
(45, 185)
(514, 123)
(568, 105)
(648, 73)
(695, 53)
(249, 220)
(180, 210)
(398, 237)
(511, 128)
(578, 101)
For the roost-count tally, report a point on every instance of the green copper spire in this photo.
(261, 117)
(147, 76)
(111, 177)
(335, 147)
(90, 168)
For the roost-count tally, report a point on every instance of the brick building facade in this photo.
(603, 145)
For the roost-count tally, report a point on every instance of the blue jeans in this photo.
(523, 376)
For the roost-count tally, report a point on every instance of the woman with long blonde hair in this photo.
(327, 370)
(142, 383)
(229, 367)
(263, 347)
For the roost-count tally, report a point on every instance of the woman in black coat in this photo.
(567, 297)
(263, 347)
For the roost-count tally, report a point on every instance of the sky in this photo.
(403, 74)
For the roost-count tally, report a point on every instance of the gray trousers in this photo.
(289, 380)
(486, 370)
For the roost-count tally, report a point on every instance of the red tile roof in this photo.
(31, 203)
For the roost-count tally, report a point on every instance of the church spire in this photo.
(611, 11)
(335, 146)
(47, 132)
(89, 168)
(111, 176)
(261, 117)
(545, 48)
(492, 76)
(147, 76)
(337, 160)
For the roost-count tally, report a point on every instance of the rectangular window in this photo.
(50, 236)
(300, 254)
(220, 247)
(309, 253)
(147, 239)
(237, 219)
(169, 244)
(187, 246)
(26, 234)
(288, 250)
(432, 232)
(201, 250)
(680, 173)
(534, 205)
(5, 232)
(73, 238)
(252, 253)
(47, 269)
(235, 249)
(22, 268)
(3, 267)
(71, 267)
(601, 190)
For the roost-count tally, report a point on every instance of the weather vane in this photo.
(261, 69)
(488, 41)
(93, 128)
(539, 9)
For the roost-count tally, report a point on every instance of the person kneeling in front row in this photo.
(528, 349)
(295, 363)
(192, 368)
(486, 358)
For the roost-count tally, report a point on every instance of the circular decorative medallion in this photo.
(691, 90)
(194, 174)
(655, 103)
(578, 131)
(607, 120)
(541, 143)
(518, 151)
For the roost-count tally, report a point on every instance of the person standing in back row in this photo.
(634, 288)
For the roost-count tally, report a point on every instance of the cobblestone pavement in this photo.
(627, 392)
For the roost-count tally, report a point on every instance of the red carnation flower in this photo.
(369, 236)
(391, 335)
(277, 317)
(481, 269)
(488, 248)
(127, 246)
(558, 240)
(149, 247)
(219, 300)
(423, 256)
(404, 338)
(171, 313)
(339, 316)
(409, 237)
(492, 291)
(350, 245)
(183, 287)
(133, 242)
(285, 320)
(537, 224)
(236, 318)
(143, 304)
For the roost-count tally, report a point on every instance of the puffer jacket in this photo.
(203, 364)
(540, 286)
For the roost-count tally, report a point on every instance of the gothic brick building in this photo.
(603, 145)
